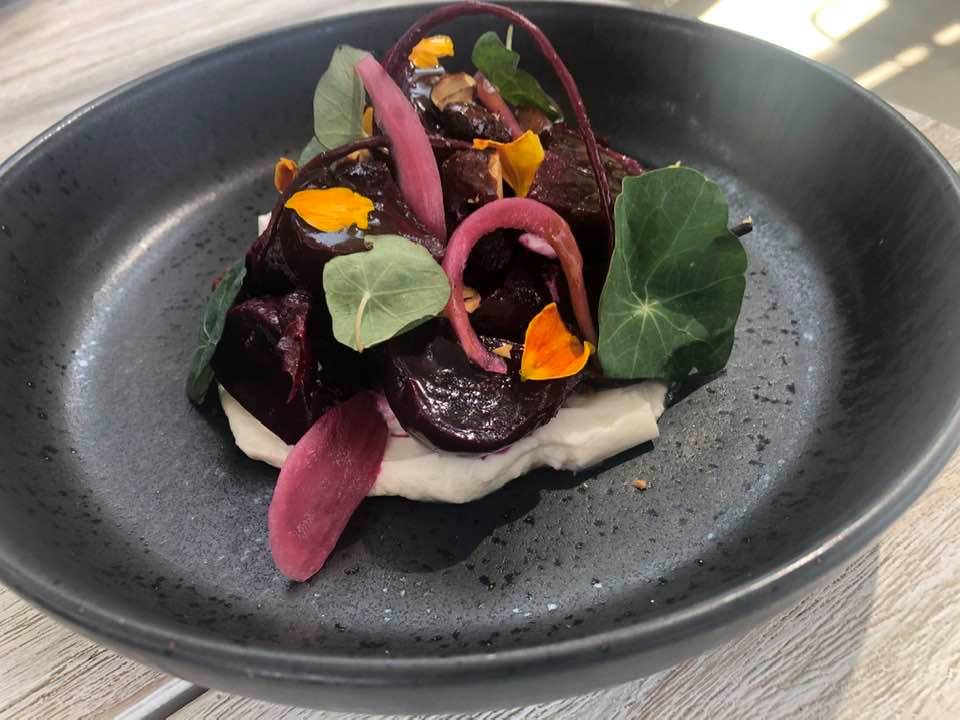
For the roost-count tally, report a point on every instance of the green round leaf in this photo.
(390, 289)
(676, 280)
(338, 103)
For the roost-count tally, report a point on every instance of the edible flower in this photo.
(331, 209)
(471, 298)
(520, 158)
(427, 52)
(366, 122)
(550, 350)
(283, 173)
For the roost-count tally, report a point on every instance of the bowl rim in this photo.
(765, 592)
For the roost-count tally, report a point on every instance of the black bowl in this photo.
(130, 515)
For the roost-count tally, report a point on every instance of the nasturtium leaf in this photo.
(338, 103)
(390, 289)
(676, 279)
(501, 67)
(310, 151)
(211, 328)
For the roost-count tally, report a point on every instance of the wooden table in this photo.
(883, 640)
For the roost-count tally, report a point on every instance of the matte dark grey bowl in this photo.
(130, 515)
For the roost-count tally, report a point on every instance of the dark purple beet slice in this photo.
(531, 284)
(468, 183)
(463, 121)
(294, 258)
(566, 183)
(325, 478)
(490, 261)
(372, 178)
(466, 121)
(442, 398)
(268, 359)
(417, 86)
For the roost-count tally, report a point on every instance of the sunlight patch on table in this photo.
(808, 27)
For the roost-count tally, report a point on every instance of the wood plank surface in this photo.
(48, 671)
(882, 641)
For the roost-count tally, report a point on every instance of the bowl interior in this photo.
(117, 490)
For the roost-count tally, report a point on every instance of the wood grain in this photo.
(48, 671)
(883, 640)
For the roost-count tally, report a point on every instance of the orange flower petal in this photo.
(471, 298)
(331, 209)
(427, 52)
(366, 122)
(520, 159)
(550, 350)
(283, 173)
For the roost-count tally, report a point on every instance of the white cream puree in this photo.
(589, 428)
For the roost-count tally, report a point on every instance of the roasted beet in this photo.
(270, 356)
(371, 178)
(442, 398)
(566, 182)
(466, 121)
(532, 284)
(533, 119)
(490, 261)
(294, 259)
(471, 178)
(417, 85)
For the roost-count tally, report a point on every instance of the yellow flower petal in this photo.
(366, 122)
(331, 209)
(550, 350)
(427, 52)
(504, 350)
(520, 160)
(471, 298)
(283, 173)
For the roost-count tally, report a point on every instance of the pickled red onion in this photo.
(324, 478)
(494, 102)
(417, 173)
(535, 243)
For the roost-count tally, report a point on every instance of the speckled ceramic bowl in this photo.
(131, 516)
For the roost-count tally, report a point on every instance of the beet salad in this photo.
(459, 281)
